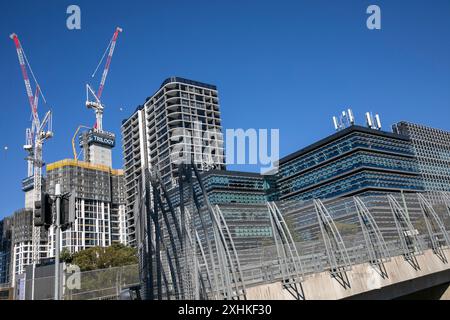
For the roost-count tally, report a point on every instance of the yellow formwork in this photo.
(83, 164)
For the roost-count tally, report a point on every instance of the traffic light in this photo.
(67, 211)
(38, 214)
(43, 215)
(48, 216)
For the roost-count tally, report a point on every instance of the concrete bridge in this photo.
(428, 275)
(378, 247)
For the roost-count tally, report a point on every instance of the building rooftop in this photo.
(173, 80)
(82, 164)
(231, 173)
(189, 82)
(339, 134)
(412, 124)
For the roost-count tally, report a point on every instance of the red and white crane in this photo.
(96, 105)
(35, 137)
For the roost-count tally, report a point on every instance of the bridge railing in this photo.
(408, 236)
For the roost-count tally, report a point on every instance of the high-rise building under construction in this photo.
(99, 204)
(5, 250)
(99, 194)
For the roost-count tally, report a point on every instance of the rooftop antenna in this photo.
(351, 117)
(345, 120)
(378, 121)
(373, 122)
(336, 123)
(369, 120)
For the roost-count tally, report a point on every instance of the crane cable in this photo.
(32, 74)
(103, 58)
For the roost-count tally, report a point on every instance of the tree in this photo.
(66, 256)
(95, 258)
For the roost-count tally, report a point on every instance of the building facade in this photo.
(5, 250)
(177, 115)
(97, 146)
(352, 161)
(241, 197)
(225, 187)
(99, 204)
(432, 149)
(22, 236)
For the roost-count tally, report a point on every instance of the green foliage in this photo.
(95, 258)
(66, 256)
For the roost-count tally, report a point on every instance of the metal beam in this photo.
(439, 237)
(407, 234)
(337, 254)
(288, 247)
(375, 243)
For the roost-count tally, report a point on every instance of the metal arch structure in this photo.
(198, 281)
(151, 215)
(204, 264)
(148, 239)
(439, 237)
(171, 245)
(183, 244)
(446, 198)
(375, 243)
(226, 246)
(185, 178)
(287, 254)
(178, 269)
(337, 255)
(175, 270)
(407, 234)
(140, 218)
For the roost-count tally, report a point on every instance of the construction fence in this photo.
(103, 284)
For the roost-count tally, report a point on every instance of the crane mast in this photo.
(29, 148)
(35, 137)
(30, 132)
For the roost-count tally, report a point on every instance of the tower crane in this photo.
(96, 105)
(40, 131)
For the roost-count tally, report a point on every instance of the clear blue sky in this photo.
(278, 64)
